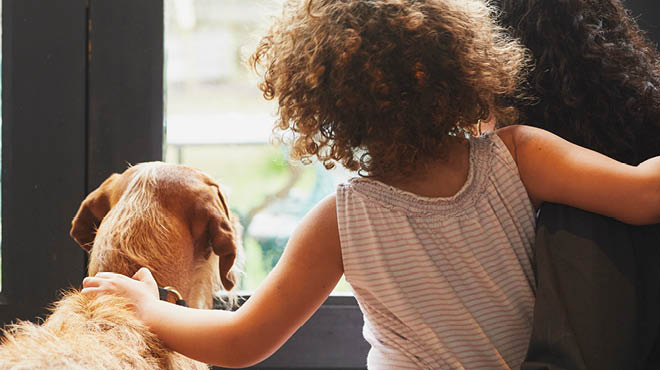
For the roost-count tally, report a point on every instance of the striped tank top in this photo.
(443, 283)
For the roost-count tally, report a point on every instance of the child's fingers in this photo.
(94, 285)
(105, 283)
(135, 289)
(92, 291)
(144, 275)
(90, 282)
(108, 275)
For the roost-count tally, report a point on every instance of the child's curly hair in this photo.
(380, 85)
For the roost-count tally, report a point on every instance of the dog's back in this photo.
(172, 219)
(88, 333)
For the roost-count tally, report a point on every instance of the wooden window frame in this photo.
(43, 151)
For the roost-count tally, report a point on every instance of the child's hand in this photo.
(141, 290)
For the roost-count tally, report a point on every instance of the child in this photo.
(598, 304)
(435, 239)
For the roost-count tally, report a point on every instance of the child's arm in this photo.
(305, 275)
(555, 170)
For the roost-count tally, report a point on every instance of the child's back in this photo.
(443, 282)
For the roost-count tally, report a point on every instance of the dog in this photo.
(169, 218)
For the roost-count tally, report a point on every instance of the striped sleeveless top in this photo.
(443, 283)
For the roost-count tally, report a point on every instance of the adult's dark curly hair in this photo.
(380, 85)
(596, 76)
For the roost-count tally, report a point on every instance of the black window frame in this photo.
(43, 151)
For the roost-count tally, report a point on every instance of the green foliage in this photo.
(247, 174)
(274, 164)
(271, 249)
(255, 269)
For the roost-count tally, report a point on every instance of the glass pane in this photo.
(218, 121)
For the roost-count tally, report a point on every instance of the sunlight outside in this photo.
(218, 121)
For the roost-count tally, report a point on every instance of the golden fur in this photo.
(173, 220)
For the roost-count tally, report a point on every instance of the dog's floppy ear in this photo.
(89, 215)
(223, 240)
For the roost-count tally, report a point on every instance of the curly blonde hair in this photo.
(381, 85)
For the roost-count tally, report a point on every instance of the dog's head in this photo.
(172, 219)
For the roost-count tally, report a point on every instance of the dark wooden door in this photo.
(81, 97)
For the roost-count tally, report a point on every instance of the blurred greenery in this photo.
(254, 264)
(247, 175)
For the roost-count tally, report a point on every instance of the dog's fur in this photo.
(173, 220)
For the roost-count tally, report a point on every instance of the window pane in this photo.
(218, 121)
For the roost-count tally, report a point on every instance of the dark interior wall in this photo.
(125, 86)
(43, 151)
(647, 13)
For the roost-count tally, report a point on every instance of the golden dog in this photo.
(173, 220)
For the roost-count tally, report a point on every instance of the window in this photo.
(218, 121)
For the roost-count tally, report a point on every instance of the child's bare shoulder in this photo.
(517, 137)
(507, 135)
